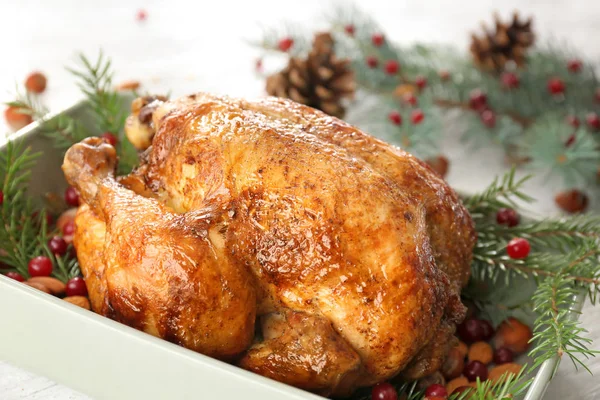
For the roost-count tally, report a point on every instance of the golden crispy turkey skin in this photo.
(344, 253)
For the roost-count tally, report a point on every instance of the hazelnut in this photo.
(35, 82)
(454, 364)
(456, 383)
(572, 201)
(497, 373)
(481, 351)
(514, 335)
(16, 118)
(439, 164)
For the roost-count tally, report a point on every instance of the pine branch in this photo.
(500, 193)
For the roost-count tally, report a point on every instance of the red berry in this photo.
(420, 81)
(570, 140)
(474, 370)
(470, 331)
(384, 391)
(285, 44)
(444, 75)
(573, 121)
(76, 287)
(372, 62)
(510, 80)
(1, 197)
(593, 120)
(503, 356)
(49, 220)
(417, 116)
(142, 15)
(507, 216)
(40, 266)
(410, 98)
(597, 95)
(488, 118)
(392, 67)
(556, 86)
(349, 29)
(395, 117)
(477, 100)
(258, 64)
(575, 65)
(109, 138)
(58, 245)
(436, 390)
(68, 228)
(518, 248)
(16, 276)
(377, 39)
(487, 329)
(35, 82)
(72, 196)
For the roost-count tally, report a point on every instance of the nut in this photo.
(55, 286)
(80, 301)
(497, 373)
(572, 201)
(439, 164)
(16, 118)
(463, 348)
(128, 85)
(38, 286)
(456, 383)
(514, 335)
(454, 364)
(35, 82)
(481, 351)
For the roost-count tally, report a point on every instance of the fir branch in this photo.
(500, 193)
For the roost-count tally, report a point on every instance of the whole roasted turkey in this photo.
(270, 235)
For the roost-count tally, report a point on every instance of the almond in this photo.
(481, 351)
(514, 335)
(128, 85)
(55, 286)
(38, 286)
(456, 383)
(80, 301)
(497, 372)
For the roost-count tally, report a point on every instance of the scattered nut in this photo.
(55, 286)
(454, 364)
(36, 82)
(462, 348)
(80, 301)
(481, 351)
(439, 164)
(514, 335)
(456, 383)
(497, 373)
(128, 85)
(38, 286)
(572, 201)
(16, 119)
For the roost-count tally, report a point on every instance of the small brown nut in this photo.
(572, 201)
(128, 85)
(463, 348)
(498, 371)
(514, 335)
(80, 301)
(38, 286)
(439, 164)
(55, 286)
(456, 383)
(481, 351)
(454, 364)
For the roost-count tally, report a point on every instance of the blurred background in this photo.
(183, 46)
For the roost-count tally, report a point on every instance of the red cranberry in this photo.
(395, 118)
(69, 228)
(417, 116)
(72, 196)
(141, 15)
(285, 44)
(420, 81)
(109, 138)
(510, 80)
(16, 276)
(570, 140)
(377, 39)
(503, 356)
(518, 248)
(575, 65)
(477, 100)
(372, 62)
(573, 121)
(1, 197)
(474, 370)
(508, 217)
(384, 391)
(76, 287)
(436, 390)
(593, 120)
(57, 245)
(556, 86)
(49, 220)
(487, 329)
(349, 29)
(40, 266)
(470, 331)
(488, 118)
(597, 95)
(392, 67)
(410, 98)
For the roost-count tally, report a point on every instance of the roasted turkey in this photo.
(270, 235)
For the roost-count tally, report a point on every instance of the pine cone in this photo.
(509, 42)
(320, 81)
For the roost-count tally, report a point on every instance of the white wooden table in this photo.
(186, 47)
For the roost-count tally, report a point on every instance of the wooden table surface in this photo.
(193, 46)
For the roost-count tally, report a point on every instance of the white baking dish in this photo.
(107, 360)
